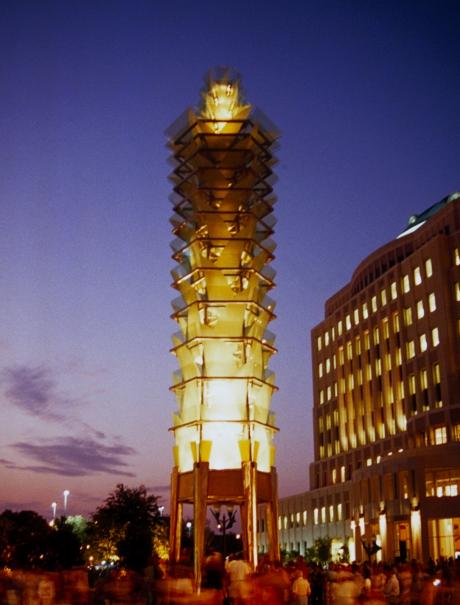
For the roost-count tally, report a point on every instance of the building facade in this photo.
(386, 413)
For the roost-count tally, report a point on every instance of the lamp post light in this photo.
(224, 521)
(66, 495)
(53, 508)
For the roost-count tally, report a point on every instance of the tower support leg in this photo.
(200, 493)
(249, 510)
(272, 517)
(175, 527)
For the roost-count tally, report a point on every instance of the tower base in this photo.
(245, 487)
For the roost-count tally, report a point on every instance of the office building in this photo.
(386, 411)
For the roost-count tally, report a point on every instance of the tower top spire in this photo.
(222, 96)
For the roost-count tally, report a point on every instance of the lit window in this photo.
(279, 522)
(328, 365)
(339, 511)
(367, 344)
(412, 384)
(436, 374)
(369, 372)
(365, 311)
(369, 462)
(385, 329)
(339, 328)
(428, 268)
(383, 297)
(351, 382)
(341, 359)
(378, 367)
(320, 369)
(315, 516)
(420, 309)
(319, 345)
(407, 316)
(304, 517)
(374, 304)
(297, 519)
(417, 276)
(326, 339)
(457, 256)
(393, 290)
(405, 284)
(410, 349)
(348, 322)
(358, 345)
(376, 336)
(396, 323)
(334, 475)
(457, 291)
(440, 435)
(329, 392)
(323, 514)
(423, 379)
(452, 489)
(331, 513)
(333, 332)
(388, 361)
(398, 357)
(285, 522)
(356, 316)
(401, 391)
(321, 397)
(432, 302)
(435, 336)
(335, 389)
(423, 342)
(342, 474)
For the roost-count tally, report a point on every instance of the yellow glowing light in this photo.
(222, 103)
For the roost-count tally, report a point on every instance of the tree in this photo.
(320, 552)
(65, 545)
(122, 528)
(24, 539)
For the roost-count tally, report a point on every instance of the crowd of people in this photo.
(232, 582)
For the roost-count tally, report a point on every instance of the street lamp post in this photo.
(53, 508)
(224, 521)
(66, 495)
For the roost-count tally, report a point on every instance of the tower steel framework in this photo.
(223, 428)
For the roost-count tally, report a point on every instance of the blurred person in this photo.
(300, 589)
(238, 571)
(347, 589)
(391, 589)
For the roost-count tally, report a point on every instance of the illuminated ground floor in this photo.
(408, 506)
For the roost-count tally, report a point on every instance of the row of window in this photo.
(373, 306)
(442, 483)
(323, 514)
(346, 353)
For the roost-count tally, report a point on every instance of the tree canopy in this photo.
(122, 528)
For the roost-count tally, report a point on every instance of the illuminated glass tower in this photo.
(223, 427)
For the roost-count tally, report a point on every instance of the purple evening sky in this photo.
(366, 95)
